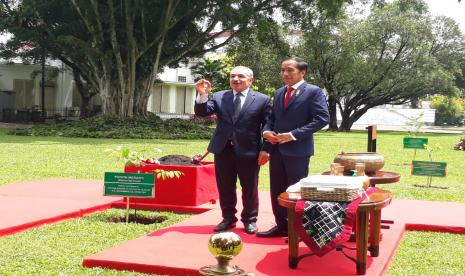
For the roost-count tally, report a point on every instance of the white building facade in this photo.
(21, 95)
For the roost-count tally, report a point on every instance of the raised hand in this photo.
(203, 86)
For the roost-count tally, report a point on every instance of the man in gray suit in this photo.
(237, 143)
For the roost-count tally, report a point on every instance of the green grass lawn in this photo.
(28, 158)
(58, 249)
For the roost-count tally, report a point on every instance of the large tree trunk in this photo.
(126, 50)
(414, 102)
(346, 124)
(349, 118)
(141, 97)
(141, 108)
(86, 93)
(85, 110)
(108, 99)
(124, 100)
(332, 108)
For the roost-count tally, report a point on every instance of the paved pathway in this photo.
(424, 129)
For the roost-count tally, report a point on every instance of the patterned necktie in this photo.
(237, 105)
(288, 95)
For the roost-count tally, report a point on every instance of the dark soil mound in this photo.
(177, 159)
(138, 219)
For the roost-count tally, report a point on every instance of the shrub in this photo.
(460, 145)
(151, 127)
(208, 120)
(449, 110)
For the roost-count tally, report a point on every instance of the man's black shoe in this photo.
(250, 227)
(273, 232)
(224, 225)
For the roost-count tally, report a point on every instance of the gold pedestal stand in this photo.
(224, 247)
(222, 268)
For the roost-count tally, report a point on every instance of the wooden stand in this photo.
(368, 210)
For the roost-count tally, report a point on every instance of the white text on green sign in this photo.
(415, 143)
(129, 184)
(429, 168)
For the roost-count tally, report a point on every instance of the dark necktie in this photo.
(237, 105)
(288, 95)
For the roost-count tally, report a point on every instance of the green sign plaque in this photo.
(415, 143)
(427, 168)
(129, 184)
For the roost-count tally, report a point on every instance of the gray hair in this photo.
(244, 69)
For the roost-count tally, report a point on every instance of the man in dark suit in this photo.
(237, 143)
(299, 110)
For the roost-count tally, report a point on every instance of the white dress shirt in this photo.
(294, 88)
(203, 98)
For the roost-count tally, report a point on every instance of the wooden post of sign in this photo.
(414, 143)
(135, 205)
(371, 138)
(372, 148)
(429, 181)
(127, 209)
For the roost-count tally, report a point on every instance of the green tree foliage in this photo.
(324, 47)
(208, 69)
(460, 79)
(214, 70)
(449, 110)
(117, 48)
(395, 55)
(261, 49)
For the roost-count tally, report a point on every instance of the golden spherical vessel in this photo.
(225, 244)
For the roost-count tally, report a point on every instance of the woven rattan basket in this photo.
(336, 194)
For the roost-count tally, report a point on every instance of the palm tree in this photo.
(209, 69)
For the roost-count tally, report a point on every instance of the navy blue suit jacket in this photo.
(306, 113)
(246, 131)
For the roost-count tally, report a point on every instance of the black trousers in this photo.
(229, 168)
(284, 171)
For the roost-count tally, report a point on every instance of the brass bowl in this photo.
(373, 161)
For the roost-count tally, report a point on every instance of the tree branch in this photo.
(7, 6)
(114, 45)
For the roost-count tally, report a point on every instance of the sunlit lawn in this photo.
(58, 249)
(28, 158)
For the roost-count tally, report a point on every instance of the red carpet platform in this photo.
(32, 204)
(182, 248)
